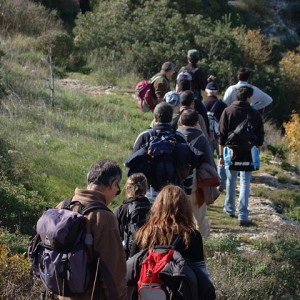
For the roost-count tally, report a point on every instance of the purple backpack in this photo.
(58, 253)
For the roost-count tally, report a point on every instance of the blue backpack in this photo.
(58, 253)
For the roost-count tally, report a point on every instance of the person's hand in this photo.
(221, 161)
(211, 78)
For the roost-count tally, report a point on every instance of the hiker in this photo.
(173, 98)
(174, 165)
(259, 99)
(103, 239)
(188, 102)
(132, 214)
(240, 146)
(171, 223)
(161, 81)
(214, 108)
(198, 82)
(189, 128)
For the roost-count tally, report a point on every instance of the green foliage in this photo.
(20, 204)
(222, 244)
(16, 242)
(275, 141)
(268, 269)
(141, 37)
(24, 16)
(286, 199)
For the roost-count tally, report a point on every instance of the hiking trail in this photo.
(261, 210)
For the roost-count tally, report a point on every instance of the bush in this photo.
(293, 135)
(20, 204)
(289, 66)
(275, 141)
(269, 269)
(26, 17)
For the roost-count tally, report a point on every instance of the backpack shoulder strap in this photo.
(174, 244)
(214, 107)
(67, 202)
(194, 141)
(83, 209)
(152, 132)
(155, 78)
(94, 206)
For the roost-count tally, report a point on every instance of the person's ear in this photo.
(180, 122)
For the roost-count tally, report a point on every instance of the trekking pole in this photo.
(96, 274)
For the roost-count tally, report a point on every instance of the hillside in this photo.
(97, 58)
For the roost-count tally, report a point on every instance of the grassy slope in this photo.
(63, 142)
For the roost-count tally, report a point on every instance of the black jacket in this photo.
(236, 113)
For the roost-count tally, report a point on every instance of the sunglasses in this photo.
(119, 190)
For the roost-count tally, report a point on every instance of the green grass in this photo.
(63, 142)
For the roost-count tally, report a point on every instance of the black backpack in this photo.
(136, 217)
(189, 75)
(163, 161)
(242, 137)
(213, 121)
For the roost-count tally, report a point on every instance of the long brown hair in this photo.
(170, 215)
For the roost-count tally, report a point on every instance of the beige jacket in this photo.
(207, 181)
(103, 242)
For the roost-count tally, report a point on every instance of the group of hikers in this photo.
(151, 247)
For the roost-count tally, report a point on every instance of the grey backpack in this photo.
(58, 253)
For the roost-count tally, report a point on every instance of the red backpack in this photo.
(144, 94)
(150, 286)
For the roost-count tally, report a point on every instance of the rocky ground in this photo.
(263, 212)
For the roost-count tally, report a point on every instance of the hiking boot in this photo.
(246, 222)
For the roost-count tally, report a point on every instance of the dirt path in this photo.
(263, 212)
(92, 90)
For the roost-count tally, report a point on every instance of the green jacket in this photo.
(161, 85)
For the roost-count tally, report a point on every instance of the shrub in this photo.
(290, 70)
(275, 141)
(20, 204)
(26, 17)
(293, 135)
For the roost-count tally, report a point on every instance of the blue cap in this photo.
(172, 98)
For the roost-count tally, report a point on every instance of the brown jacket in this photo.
(103, 241)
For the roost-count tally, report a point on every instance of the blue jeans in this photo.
(229, 205)
(221, 170)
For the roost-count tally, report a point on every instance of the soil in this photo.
(265, 215)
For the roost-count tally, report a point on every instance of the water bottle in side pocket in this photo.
(255, 158)
(227, 154)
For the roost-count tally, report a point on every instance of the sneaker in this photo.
(228, 214)
(246, 222)
(221, 189)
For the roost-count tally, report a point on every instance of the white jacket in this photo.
(259, 99)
